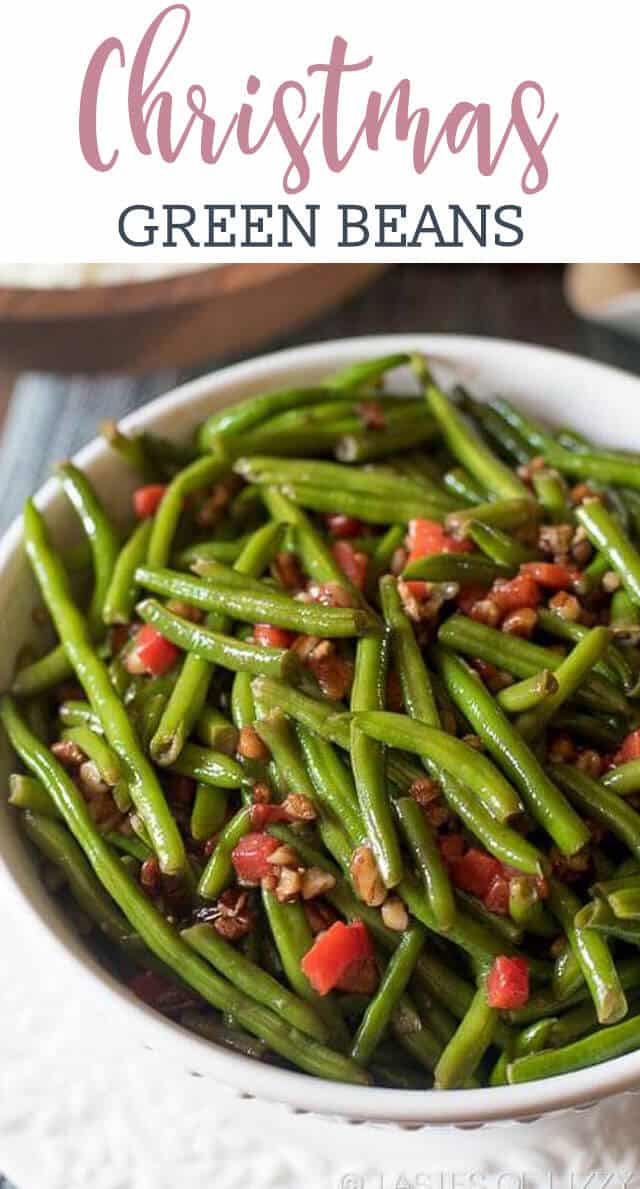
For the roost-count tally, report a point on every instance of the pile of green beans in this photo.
(424, 740)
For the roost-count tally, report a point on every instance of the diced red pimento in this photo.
(343, 526)
(250, 857)
(263, 814)
(508, 983)
(352, 562)
(475, 872)
(551, 574)
(630, 749)
(452, 847)
(333, 952)
(469, 596)
(272, 637)
(151, 653)
(427, 537)
(146, 500)
(416, 588)
(521, 591)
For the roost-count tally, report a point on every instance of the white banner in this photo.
(206, 131)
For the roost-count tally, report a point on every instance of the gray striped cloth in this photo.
(51, 417)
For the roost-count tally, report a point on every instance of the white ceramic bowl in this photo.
(563, 389)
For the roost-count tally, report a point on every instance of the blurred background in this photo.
(80, 343)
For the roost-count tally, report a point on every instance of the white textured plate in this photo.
(597, 400)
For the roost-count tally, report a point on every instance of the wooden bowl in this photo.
(174, 322)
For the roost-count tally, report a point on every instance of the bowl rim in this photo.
(300, 1091)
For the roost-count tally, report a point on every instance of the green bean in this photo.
(596, 800)
(523, 659)
(532, 1039)
(569, 676)
(610, 540)
(543, 799)
(332, 782)
(452, 755)
(507, 439)
(293, 938)
(374, 480)
(382, 556)
(267, 606)
(617, 883)
(602, 732)
(214, 730)
(276, 732)
(528, 693)
(570, 1027)
(624, 779)
(614, 665)
(503, 842)
(394, 980)
(368, 508)
(368, 372)
(552, 495)
(461, 484)
(591, 578)
(130, 448)
(93, 676)
(624, 615)
(433, 973)
(465, 444)
(527, 909)
(324, 718)
(503, 925)
(217, 648)
(592, 953)
(364, 445)
(186, 704)
(155, 931)
(438, 1019)
(230, 1037)
(603, 1045)
(122, 590)
(209, 811)
(316, 558)
(545, 1002)
(468, 1045)
(415, 1036)
(502, 514)
(428, 860)
(59, 847)
(226, 552)
(467, 569)
(27, 793)
(128, 844)
(368, 760)
(567, 974)
(625, 903)
(598, 919)
(219, 869)
(417, 691)
(210, 767)
(98, 751)
(247, 414)
(100, 533)
(42, 675)
(255, 983)
(502, 549)
(331, 411)
(304, 439)
(197, 475)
